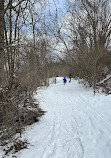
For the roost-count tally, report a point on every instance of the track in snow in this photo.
(76, 125)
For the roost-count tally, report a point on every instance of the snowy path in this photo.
(76, 125)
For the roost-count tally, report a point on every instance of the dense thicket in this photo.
(23, 63)
(86, 36)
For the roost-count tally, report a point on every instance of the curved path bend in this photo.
(77, 124)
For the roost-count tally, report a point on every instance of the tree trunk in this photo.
(1, 40)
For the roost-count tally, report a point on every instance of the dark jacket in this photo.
(64, 79)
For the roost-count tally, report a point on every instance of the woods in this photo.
(29, 39)
(38, 42)
(86, 36)
(21, 71)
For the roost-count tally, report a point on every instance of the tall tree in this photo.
(1, 39)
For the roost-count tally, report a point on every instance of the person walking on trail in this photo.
(69, 78)
(55, 80)
(64, 80)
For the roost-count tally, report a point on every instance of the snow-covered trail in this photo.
(76, 125)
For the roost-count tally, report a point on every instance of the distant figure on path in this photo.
(69, 78)
(64, 80)
(55, 80)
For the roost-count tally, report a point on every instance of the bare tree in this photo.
(19, 62)
(88, 30)
(1, 41)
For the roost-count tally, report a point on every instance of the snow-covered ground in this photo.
(77, 124)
